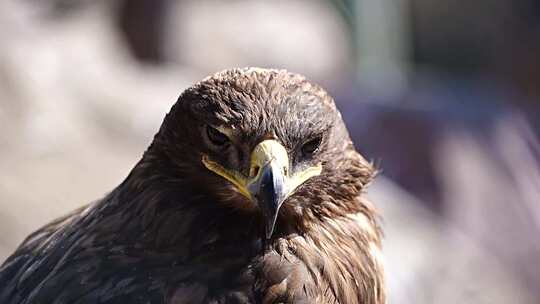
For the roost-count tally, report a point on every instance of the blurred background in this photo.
(442, 95)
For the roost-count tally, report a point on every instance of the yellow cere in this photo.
(268, 152)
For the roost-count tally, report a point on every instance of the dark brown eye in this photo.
(216, 137)
(311, 146)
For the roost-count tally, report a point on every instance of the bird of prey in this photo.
(251, 192)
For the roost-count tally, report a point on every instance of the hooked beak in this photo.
(268, 184)
(270, 181)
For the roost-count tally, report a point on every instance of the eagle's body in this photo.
(176, 232)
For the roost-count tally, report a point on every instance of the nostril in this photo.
(254, 171)
(285, 171)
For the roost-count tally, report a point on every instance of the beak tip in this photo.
(270, 225)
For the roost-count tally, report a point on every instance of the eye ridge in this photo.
(312, 145)
(216, 137)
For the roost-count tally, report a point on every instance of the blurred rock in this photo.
(307, 37)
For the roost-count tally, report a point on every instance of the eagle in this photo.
(250, 192)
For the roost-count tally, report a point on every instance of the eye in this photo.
(216, 137)
(311, 146)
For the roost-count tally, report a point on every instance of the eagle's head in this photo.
(264, 141)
